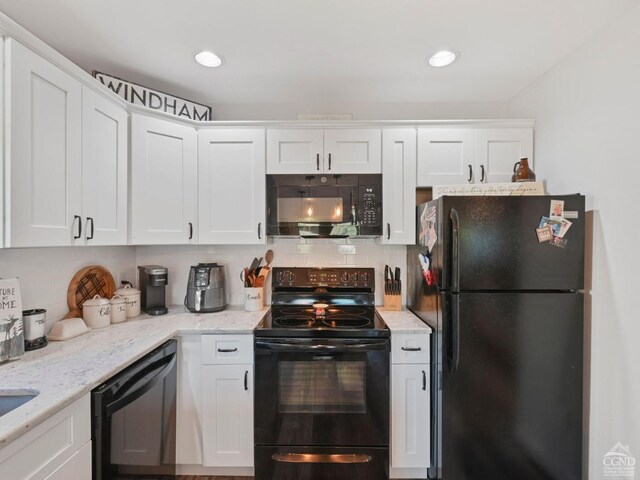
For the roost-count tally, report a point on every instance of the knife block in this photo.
(393, 303)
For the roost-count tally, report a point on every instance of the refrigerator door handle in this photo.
(455, 253)
(455, 333)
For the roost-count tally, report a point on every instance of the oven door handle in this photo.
(339, 348)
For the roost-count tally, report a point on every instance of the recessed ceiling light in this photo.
(208, 59)
(442, 58)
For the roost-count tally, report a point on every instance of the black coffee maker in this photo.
(152, 280)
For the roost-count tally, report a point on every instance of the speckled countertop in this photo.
(65, 371)
(403, 321)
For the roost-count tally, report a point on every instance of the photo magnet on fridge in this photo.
(554, 224)
(558, 242)
(544, 234)
(564, 226)
(557, 209)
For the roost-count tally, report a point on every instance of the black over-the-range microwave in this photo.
(315, 206)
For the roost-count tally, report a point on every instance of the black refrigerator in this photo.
(506, 309)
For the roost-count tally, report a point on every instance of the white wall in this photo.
(45, 273)
(362, 111)
(587, 136)
(288, 253)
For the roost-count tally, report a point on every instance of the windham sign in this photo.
(147, 97)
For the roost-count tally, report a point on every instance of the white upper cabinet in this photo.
(44, 153)
(353, 150)
(471, 155)
(446, 156)
(340, 150)
(231, 165)
(399, 185)
(498, 149)
(104, 170)
(2, 186)
(294, 150)
(164, 181)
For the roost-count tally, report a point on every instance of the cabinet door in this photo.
(498, 149)
(189, 401)
(294, 151)
(410, 422)
(232, 186)
(44, 111)
(2, 187)
(399, 185)
(164, 181)
(104, 170)
(446, 156)
(77, 467)
(353, 150)
(227, 415)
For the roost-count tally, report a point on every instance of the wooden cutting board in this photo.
(88, 282)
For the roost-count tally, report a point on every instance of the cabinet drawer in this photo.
(410, 348)
(227, 349)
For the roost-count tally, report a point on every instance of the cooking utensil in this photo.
(268, 257)
(254, 264)
(85, 284)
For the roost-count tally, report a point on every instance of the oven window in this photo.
(322, 386)
(310, 210)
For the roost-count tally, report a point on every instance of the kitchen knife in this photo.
(387, 279)
(397, 280)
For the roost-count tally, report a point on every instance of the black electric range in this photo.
(322, 302)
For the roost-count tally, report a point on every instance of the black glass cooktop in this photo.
(306, 321)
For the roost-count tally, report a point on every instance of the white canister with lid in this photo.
(132, 298)
(97, 312)
(118, 309)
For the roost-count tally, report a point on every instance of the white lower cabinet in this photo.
(227, 421)
(57, 449)
(189, 401)
(410, 448)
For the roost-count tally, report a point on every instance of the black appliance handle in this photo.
(455, 249)
(321, 458)
(328, 347)
(227, 350)
(329, 161)
(246, 381)
(470, 174)
(130, 396)
(424, 380)
(455, 333)
(260, 231)
(79, 218)
(482, 176)
(411, 349)
(317, 161)
(90, 219)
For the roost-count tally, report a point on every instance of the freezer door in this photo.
(490, 243)
(512, 387)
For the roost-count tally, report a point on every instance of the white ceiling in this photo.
(295, 51)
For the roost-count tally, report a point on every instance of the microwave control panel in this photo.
(370, 201)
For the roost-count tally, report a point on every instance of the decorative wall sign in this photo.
(11, 330)
(147, 97)
(489, 189)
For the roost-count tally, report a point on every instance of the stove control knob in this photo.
(290, 277)
(344, 277)
(364, 277)
(354, 278)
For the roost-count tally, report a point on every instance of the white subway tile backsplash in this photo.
(45, 273)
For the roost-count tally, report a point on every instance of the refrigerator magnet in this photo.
(552, 223)
(564, 226)
(558, 242)
(557, 209)
(544, 234)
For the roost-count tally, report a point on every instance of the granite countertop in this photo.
(403, 321)
(65, 371)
